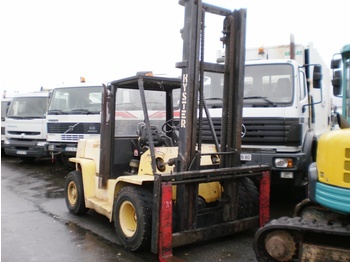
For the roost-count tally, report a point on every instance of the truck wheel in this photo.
(248, 199)
(27, 160)
(74, 193)
(299, 193)
(133, 218)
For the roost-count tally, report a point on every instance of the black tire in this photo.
(74, 193)
(28, 160)
(64, 159)
(133, 218)
(248, 199)
(299, 193)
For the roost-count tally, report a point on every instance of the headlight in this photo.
(51, 147)
(42, 143)
(284, 162)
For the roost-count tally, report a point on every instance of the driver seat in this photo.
(144, 139)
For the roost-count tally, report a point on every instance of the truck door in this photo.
(306, 113)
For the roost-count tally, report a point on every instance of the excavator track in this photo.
(303, 239)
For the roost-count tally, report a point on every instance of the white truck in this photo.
(283, 112)
(4, 106)
(25, 126)
(73, 114)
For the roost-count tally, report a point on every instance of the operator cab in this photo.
(145, 107)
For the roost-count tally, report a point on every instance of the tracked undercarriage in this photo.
(317, 234)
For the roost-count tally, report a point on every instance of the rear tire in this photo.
(133, 218)
(74, 193)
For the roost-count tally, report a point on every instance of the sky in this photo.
(44, 43)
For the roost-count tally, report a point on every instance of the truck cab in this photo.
(286, 107)
(277, 120)
(73, 114)
(25, 134)
(4, 107)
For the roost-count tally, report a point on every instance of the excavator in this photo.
(151, 173)
(320, 228)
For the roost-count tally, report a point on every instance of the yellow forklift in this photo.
(150, 172)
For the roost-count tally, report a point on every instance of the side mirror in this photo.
(336, 82)
(335, 63)
(317, 76)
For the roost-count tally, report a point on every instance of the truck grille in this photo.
(73, 128)
(262, 131)
(271, 131)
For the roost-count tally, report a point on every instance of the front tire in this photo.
(28, 160)
(133, 218)
(64, 159)
(74, 193)
(248, 199)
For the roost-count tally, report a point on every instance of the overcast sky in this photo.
(49, 42)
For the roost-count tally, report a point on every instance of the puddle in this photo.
(54, 193)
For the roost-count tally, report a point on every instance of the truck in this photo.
(150, 173)
(320, 228)
(25, 126)
(286, 108)
(4, 106)
(73, 114)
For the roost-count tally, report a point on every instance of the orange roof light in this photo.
(144, 73)
(261, 51)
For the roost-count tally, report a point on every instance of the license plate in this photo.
(21, 152)
(71, 149)
(246, 157)
(287, 175)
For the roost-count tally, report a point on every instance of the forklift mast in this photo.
(193, 68)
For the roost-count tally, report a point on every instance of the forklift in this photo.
(151, 173)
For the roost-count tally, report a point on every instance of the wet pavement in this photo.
(36, 225)
(28, 234)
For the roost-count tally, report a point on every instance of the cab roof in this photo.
(156, 83)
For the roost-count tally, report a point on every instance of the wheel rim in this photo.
(72, 193)
(128, 218)
(280, 245)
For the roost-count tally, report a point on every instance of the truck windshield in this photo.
(28, 107)
(264, 85)
(271, 84)
(4, 106)
(76, 100)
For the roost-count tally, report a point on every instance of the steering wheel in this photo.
(170, 123)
